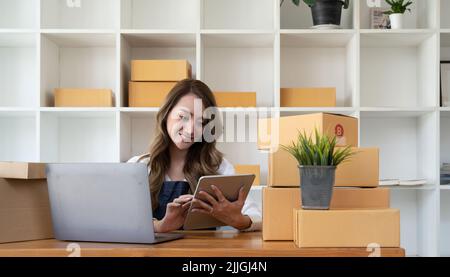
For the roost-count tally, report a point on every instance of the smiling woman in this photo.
(182, 152)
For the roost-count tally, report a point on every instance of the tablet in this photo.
(229, 185)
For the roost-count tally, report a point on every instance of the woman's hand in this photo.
(175, 215)
(228, 212)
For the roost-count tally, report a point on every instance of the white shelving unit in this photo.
(388, 79)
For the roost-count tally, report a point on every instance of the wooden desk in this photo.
(195, 244)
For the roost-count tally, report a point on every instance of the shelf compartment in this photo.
(407, 143)
(238, 140)
(445, 46)
(18, 70)
(149, 46)
(18, 136)
(77, 136)
(18, 14)
(136, 133)
(239, 62)
(320, 60)
(444, 241)
(423, 15)
(445, 137)
(444, 12)
(157, 14)
(293, 17)
(79, 14)
(398, 69)
(418, 217)
(238, 14)
(77, 61)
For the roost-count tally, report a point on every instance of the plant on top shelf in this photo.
(326, 14)
(317, 161)
(398, 8)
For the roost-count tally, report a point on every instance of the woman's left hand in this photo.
(228, 212)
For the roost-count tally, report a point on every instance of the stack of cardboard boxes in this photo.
(152, 80)
(359, 213)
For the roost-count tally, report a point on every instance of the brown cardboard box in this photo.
(285, 129)
(148, 94)
(308, 97)
(235, 99)
(68, 97)
(22, 170)
(24, 210)
(160, 70)
(361, 171)
(278, 204)
(347, 228)
(249, 169)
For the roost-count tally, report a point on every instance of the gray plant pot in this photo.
(327, 12)
(317, 184)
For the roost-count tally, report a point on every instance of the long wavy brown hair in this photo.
(204, 158)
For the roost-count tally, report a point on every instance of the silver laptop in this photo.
(102, 202)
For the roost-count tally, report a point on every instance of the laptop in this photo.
(102, 202)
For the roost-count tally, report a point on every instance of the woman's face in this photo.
(184, 126)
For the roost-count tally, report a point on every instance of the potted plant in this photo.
(325, 13)
(317, 161)
(398, 8)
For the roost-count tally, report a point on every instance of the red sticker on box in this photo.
(339, 130)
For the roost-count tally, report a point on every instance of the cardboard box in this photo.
(308, 97)
(24, 210)
(347, 228)
(278, 205)
(249, 169)
(160, 70)
(283, 130)
(235, 99)
(22, 170)
(362, 170)
(148, 94)
(68, 97)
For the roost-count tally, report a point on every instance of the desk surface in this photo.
(195, 244)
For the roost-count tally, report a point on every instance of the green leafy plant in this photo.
(318, 152)
(310, 3)
(398, 6)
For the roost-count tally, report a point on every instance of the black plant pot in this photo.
(327, 12)
(316, 183)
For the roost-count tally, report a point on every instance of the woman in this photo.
(178, 158)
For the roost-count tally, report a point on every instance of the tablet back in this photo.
(229, 185)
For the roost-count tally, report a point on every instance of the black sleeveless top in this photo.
(169, 191)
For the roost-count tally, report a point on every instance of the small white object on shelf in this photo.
(398, 182)
(389, 182)
(418, 182)
(326, 27)
(396, 20)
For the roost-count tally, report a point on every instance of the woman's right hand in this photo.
(176, 212)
